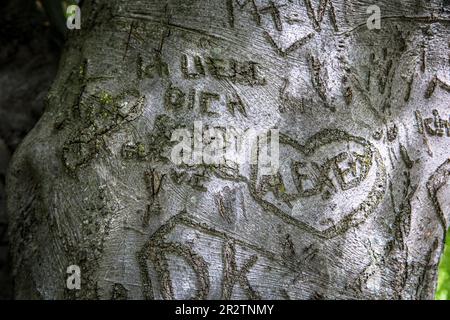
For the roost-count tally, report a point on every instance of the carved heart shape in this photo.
(328, 185)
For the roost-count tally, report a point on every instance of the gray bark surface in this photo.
(366, 113)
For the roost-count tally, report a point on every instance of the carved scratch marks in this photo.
(127, 44)
(405, 157)
(184, 243)
(212, 103)
(221, 264)
(385, 76)
(238, 72)
(233, 275)
(253, 7)
(277, 18)
(224, 209)
(308, 175)
(317, 19)
(403, 212)
(376, 79)
(158, 67)
(288, 252)
(153, 180)
(409, 85)
(132, 150)
(318, 82)
(100, 115)
(274, 12)
(318, 89)
(158, 249)
(434, 184)
(347, 91)
(227, 202)
(423, 57)
(271, 9)
(435, 83)
(290, 102)
(434, 126)
(204, 102)
(431, 87)
(293, 47)
(392, 133)
(303, 178)
(196, 180)
(197, 65)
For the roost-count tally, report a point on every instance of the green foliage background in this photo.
(443, 288)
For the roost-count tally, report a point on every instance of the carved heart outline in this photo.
(349, 220)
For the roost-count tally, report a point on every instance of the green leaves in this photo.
(443, 288)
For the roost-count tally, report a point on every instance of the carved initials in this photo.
(317, 19)
(231, 274)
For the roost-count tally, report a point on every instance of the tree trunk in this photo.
(359, 208)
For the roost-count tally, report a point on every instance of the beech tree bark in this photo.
(358, 210)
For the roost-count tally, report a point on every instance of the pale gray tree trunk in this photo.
(359, 208)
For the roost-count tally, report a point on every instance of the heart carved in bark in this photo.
(328, 185)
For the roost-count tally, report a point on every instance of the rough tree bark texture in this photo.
(359, 208)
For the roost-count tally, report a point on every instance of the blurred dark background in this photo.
(30, 44)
